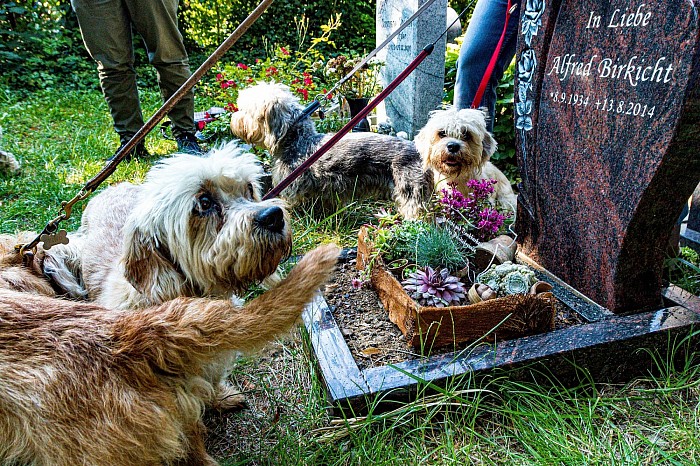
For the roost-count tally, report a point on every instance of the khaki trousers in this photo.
(106, 27)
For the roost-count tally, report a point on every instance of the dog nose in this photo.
(453, 147)
(271, 219)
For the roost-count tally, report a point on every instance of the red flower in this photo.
(303, 92)
(307, 79)
(257, 60)
(325, 92)
(284, 51)
(201, 124)
(242, 66)
(219, 77)
(296, 81)
(271, 71)
(250, 80)
(225, 84)
(230, 107)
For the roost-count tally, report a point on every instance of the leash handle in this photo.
(275, 191)
(494, 58)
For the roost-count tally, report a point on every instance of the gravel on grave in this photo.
(371, 337)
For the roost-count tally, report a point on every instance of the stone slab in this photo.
(606, 347)
(408, 106)
(608, 129)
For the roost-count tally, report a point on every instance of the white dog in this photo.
(456, 147)
(360, 165)
(196, 227)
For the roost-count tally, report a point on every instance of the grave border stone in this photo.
(607, 347)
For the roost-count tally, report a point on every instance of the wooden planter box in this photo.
(427, 327)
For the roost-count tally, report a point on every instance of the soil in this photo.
(372, 338)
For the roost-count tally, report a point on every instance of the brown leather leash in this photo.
(51, 235)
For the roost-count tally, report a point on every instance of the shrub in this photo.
(41, 47)
(209, 22)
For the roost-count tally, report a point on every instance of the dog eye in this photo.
(466, 136)
(442, 134)
(206, 204)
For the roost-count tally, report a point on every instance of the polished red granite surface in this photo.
(608, 125)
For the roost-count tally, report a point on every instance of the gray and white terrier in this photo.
(360, 165)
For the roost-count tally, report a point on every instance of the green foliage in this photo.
(400, 240)
(421, 242)
(331, 123)
(300, 69)
(209, 23)
(437, 248)
(41, 47)
(364, 83)
(684, 270)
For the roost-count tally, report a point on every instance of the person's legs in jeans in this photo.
(480, 41)
(156, 22)
(106, 31)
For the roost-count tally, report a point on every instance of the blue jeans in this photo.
(480, 41)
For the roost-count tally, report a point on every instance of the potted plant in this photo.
(439, 298)
(360, 88)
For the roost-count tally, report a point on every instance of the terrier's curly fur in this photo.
(456, 147)
(359, 166)
(196, 227)
(86, 385)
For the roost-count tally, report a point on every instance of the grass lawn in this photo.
(63, 139)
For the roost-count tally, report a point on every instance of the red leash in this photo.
(492, 63)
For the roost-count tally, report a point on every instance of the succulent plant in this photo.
(436, 289)
(516, 282)
(508, 278)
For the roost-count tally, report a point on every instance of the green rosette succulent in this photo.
(508, 278)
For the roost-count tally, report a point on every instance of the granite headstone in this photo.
(408, 106)
(608, 131)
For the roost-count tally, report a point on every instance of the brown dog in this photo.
(86, 385)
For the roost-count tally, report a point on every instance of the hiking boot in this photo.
(138, 152)
(187, 143)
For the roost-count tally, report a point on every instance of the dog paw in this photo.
(228, 398)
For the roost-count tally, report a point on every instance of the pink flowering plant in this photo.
(472, 211)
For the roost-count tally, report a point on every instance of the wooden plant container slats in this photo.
(501, 318)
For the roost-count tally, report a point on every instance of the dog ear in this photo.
(279, 115)
(488, 145)
(146, 268)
